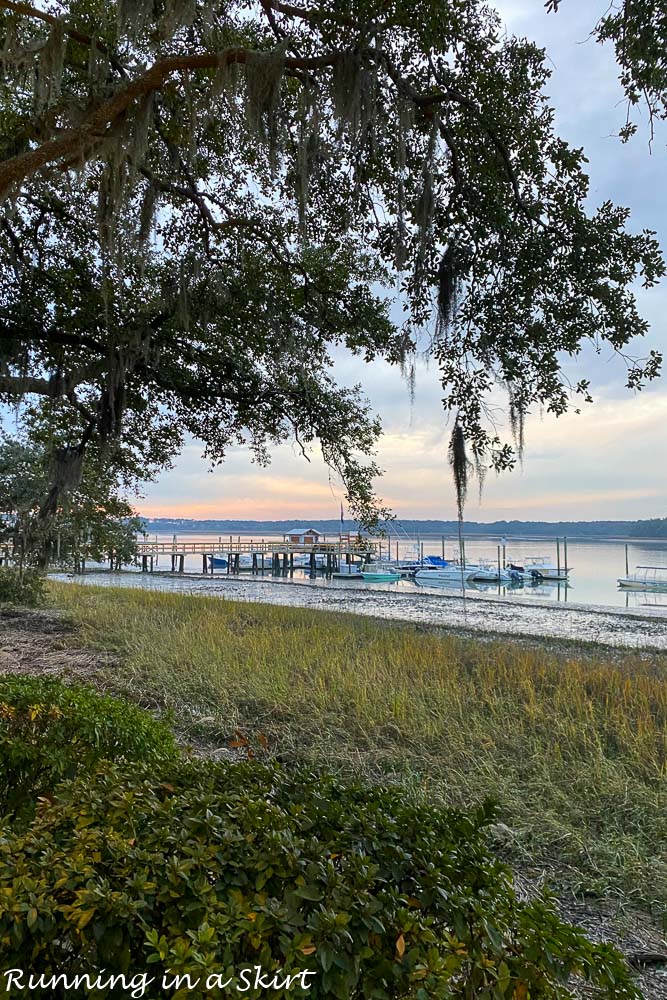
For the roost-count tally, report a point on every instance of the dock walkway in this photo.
(276, 557)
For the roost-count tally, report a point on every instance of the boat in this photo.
(538, 568)
(645, 578)
(491, 572)
(219, 561)
(348, 571)
(451, 572)
(302, 561)
(411, 566)
(380, 572)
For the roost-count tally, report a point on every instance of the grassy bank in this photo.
(574, 749)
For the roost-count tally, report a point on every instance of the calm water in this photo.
(590, 608)
(595, 567)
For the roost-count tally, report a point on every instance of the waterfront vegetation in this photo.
(250, 874)
(570, 741)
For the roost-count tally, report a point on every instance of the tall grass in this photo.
(574, 749)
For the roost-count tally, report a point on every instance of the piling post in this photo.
(442, 541)
(558, 554)
(499, 569)
(262, 562)
(328, 564)
(254, 563)
(144, 564)
(237, 563)
(181, 563)
(173, 562)
(504, 560)
(421, 553)
(204, 564)
(152, 564)
(627, 568)
(565, 553)
(291, 564)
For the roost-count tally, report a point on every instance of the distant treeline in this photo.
(653, 528)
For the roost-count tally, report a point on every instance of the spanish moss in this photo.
(461, 466)
(308, 151)
(447, 291)
(517, 415)
(346, 88)
(426, 205)
(404, 121)
(134, 15)
(50, 67)
(149, 204)
(264, 73)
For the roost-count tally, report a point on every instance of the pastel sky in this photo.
(606, 463)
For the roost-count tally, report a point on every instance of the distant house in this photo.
(302, 536)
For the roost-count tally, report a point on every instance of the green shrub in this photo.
(26, 589)
(50, 731)
(212, 869)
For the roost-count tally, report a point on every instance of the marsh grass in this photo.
(572, 747)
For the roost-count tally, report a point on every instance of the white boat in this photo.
(219, 560)
(490, 572)
(538, 568)
(452, 573)
(645, 578)
(410, 566)
(347, 571)
(302, 561)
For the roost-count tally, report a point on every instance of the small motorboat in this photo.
(491, 572)
(380, 572)
(645, 578)
(451, 572)
(410, 567)
(538, 568)
(348, 571)
(218, 562)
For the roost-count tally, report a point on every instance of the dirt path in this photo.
(45, 643)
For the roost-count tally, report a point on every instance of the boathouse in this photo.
(302, 536)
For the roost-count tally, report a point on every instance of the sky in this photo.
(606, 463)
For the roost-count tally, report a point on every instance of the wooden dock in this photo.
(276, 558)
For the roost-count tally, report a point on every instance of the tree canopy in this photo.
(205, 201)
(93, 520)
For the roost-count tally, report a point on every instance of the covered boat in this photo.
(645, 578)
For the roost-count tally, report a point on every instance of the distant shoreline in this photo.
(428, 536)
(650, 531)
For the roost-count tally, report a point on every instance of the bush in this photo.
(219, 869)
(50, 731)
(26, 589)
